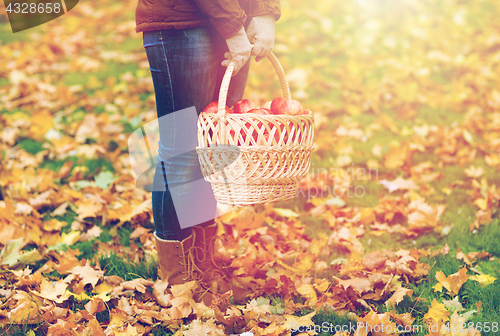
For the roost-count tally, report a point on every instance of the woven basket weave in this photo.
(251, 158)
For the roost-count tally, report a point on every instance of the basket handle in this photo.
(224, 88)
(227, 78)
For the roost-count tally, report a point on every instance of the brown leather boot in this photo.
(175, 260)
(176, 265)
(214, 277)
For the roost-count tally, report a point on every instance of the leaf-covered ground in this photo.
(396, 224)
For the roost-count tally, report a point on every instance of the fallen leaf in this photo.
(128, 331)
(453, 305)
(309, 293)
(437, 312)
(160, 294)
(54, 290)
(474, 172)
(398, 295)
(398, 184)
(483, 279)
(285, 212)
(88, 274)
(208, 328)
(12, 255)
(454, 282)
(139, 231)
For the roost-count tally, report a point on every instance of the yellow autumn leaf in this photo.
(308, 292)
(446, 191)
(25, 311)
(41, 122)
(438, 287)
(69, 238)
(483, 279)
(421, 130)
(118, 319)
(293, 322)
(103, 290)
(437, 312)
(54, 290)
(128, 331)
(93, 83)
(481, 203)
(492, 160)
(81, 297)
(184, 290)
(474, 172)
(454, 282)
(285, 212)
(208, 328)
(468, 137)
(159, 292)
(88, 274)
(398, 296)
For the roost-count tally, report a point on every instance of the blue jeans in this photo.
(186, 71)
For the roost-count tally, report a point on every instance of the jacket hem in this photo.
(149, 26)
(231, 27)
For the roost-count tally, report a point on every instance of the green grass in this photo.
(113, 264)
(485, 239)
(162, 331)
(95, 166)
(110, 69)
(6, 35)
(31, 146)
(24, 329)
(315, 227)
(365, 193)
(327, 320)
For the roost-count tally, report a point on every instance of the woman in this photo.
(189, 43)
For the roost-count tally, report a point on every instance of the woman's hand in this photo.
(260, 32)
(239, 50)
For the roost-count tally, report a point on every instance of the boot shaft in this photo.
(176, 260)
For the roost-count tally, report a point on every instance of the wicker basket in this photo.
(250, 158)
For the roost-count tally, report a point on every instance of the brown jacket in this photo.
(227, 16)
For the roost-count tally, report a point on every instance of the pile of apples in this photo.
(279, 105)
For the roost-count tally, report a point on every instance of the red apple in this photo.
(214, 106)
(243, 106)
(261, 110)
(293, 107)
(277, 105)
(264, 141)
(282, 105)
(239, 138)
(277, 133)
